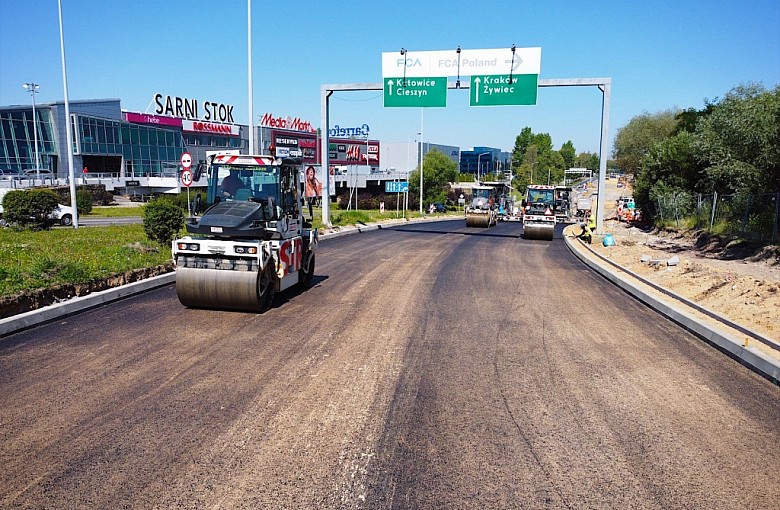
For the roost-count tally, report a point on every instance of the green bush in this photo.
(30, 208)
(83, 201)
(163, 220)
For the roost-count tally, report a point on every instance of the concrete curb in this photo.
(75, 305)
(78, 304)
(748, 356)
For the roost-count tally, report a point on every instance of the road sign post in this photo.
(186, 180)
(415, 92)
(503, 90)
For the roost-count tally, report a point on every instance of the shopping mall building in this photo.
(139, 153)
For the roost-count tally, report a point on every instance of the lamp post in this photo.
(483, 154)
(422, 159)
(33, 89)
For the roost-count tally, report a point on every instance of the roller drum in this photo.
(478, 220)
(538, 231)
(218, 288)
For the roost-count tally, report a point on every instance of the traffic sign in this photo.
(466, 63)
(186, 178)
(396, 187)
(186, 160)
(410, 92)
(500, 90)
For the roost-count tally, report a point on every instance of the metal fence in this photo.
(753, 217)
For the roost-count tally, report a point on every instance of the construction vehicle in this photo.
(252, 241)
(538, 215)
(483, 209)
(563, 204)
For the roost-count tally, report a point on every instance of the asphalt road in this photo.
(431, 366)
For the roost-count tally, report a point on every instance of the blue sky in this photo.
(659, 54)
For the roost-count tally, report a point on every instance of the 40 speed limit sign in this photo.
(186, 178)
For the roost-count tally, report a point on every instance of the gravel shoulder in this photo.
(739, 281)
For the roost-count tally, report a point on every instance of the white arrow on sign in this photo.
(476, 81)
(390, 86)
(516, 64)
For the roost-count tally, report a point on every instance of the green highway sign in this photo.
(499, 90)
(410, 92)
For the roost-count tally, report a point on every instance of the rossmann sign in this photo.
(291, 123)
(210, 128)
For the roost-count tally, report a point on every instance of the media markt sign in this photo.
(501, 90)
(410, 92)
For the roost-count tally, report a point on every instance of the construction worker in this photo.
(589, 228)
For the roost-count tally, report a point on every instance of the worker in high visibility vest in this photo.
(589, 228)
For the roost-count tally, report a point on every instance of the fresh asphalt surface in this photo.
(431, 366)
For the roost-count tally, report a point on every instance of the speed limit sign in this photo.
(186, 178)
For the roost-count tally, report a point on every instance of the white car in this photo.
(63, 215)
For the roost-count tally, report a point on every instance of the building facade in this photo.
(482, 161)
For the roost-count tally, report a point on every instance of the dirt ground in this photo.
(742, 282)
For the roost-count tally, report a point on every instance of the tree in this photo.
(551, 168)
(522, 141)
(688, 119)
(569, 154)
(739, 142)
(670, 166)
(633, 141)
(587, 160)
(543, 142)
(438, 172)
(530, 162)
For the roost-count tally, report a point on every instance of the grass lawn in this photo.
(110, 211)
(38, 259)
(32, 260)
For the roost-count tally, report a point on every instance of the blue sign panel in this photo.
(396, 187)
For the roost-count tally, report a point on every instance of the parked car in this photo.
(8, 174)
(33, 172)
(439, 207)
(63, 215)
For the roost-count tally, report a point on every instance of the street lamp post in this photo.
(478, 157)
(33, 89)
(422, 159)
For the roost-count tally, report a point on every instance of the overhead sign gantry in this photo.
(498, 77)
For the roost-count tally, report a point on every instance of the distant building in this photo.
(404, 157)
(484, 160)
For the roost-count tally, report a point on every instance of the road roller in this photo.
(482, 211)
(538, 212)
(253, 239)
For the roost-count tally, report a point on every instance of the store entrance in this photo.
(103, 164)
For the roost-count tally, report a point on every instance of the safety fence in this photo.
(752, 217)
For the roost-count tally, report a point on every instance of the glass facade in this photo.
(147, 150)
(229, 142)
(17, 135)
